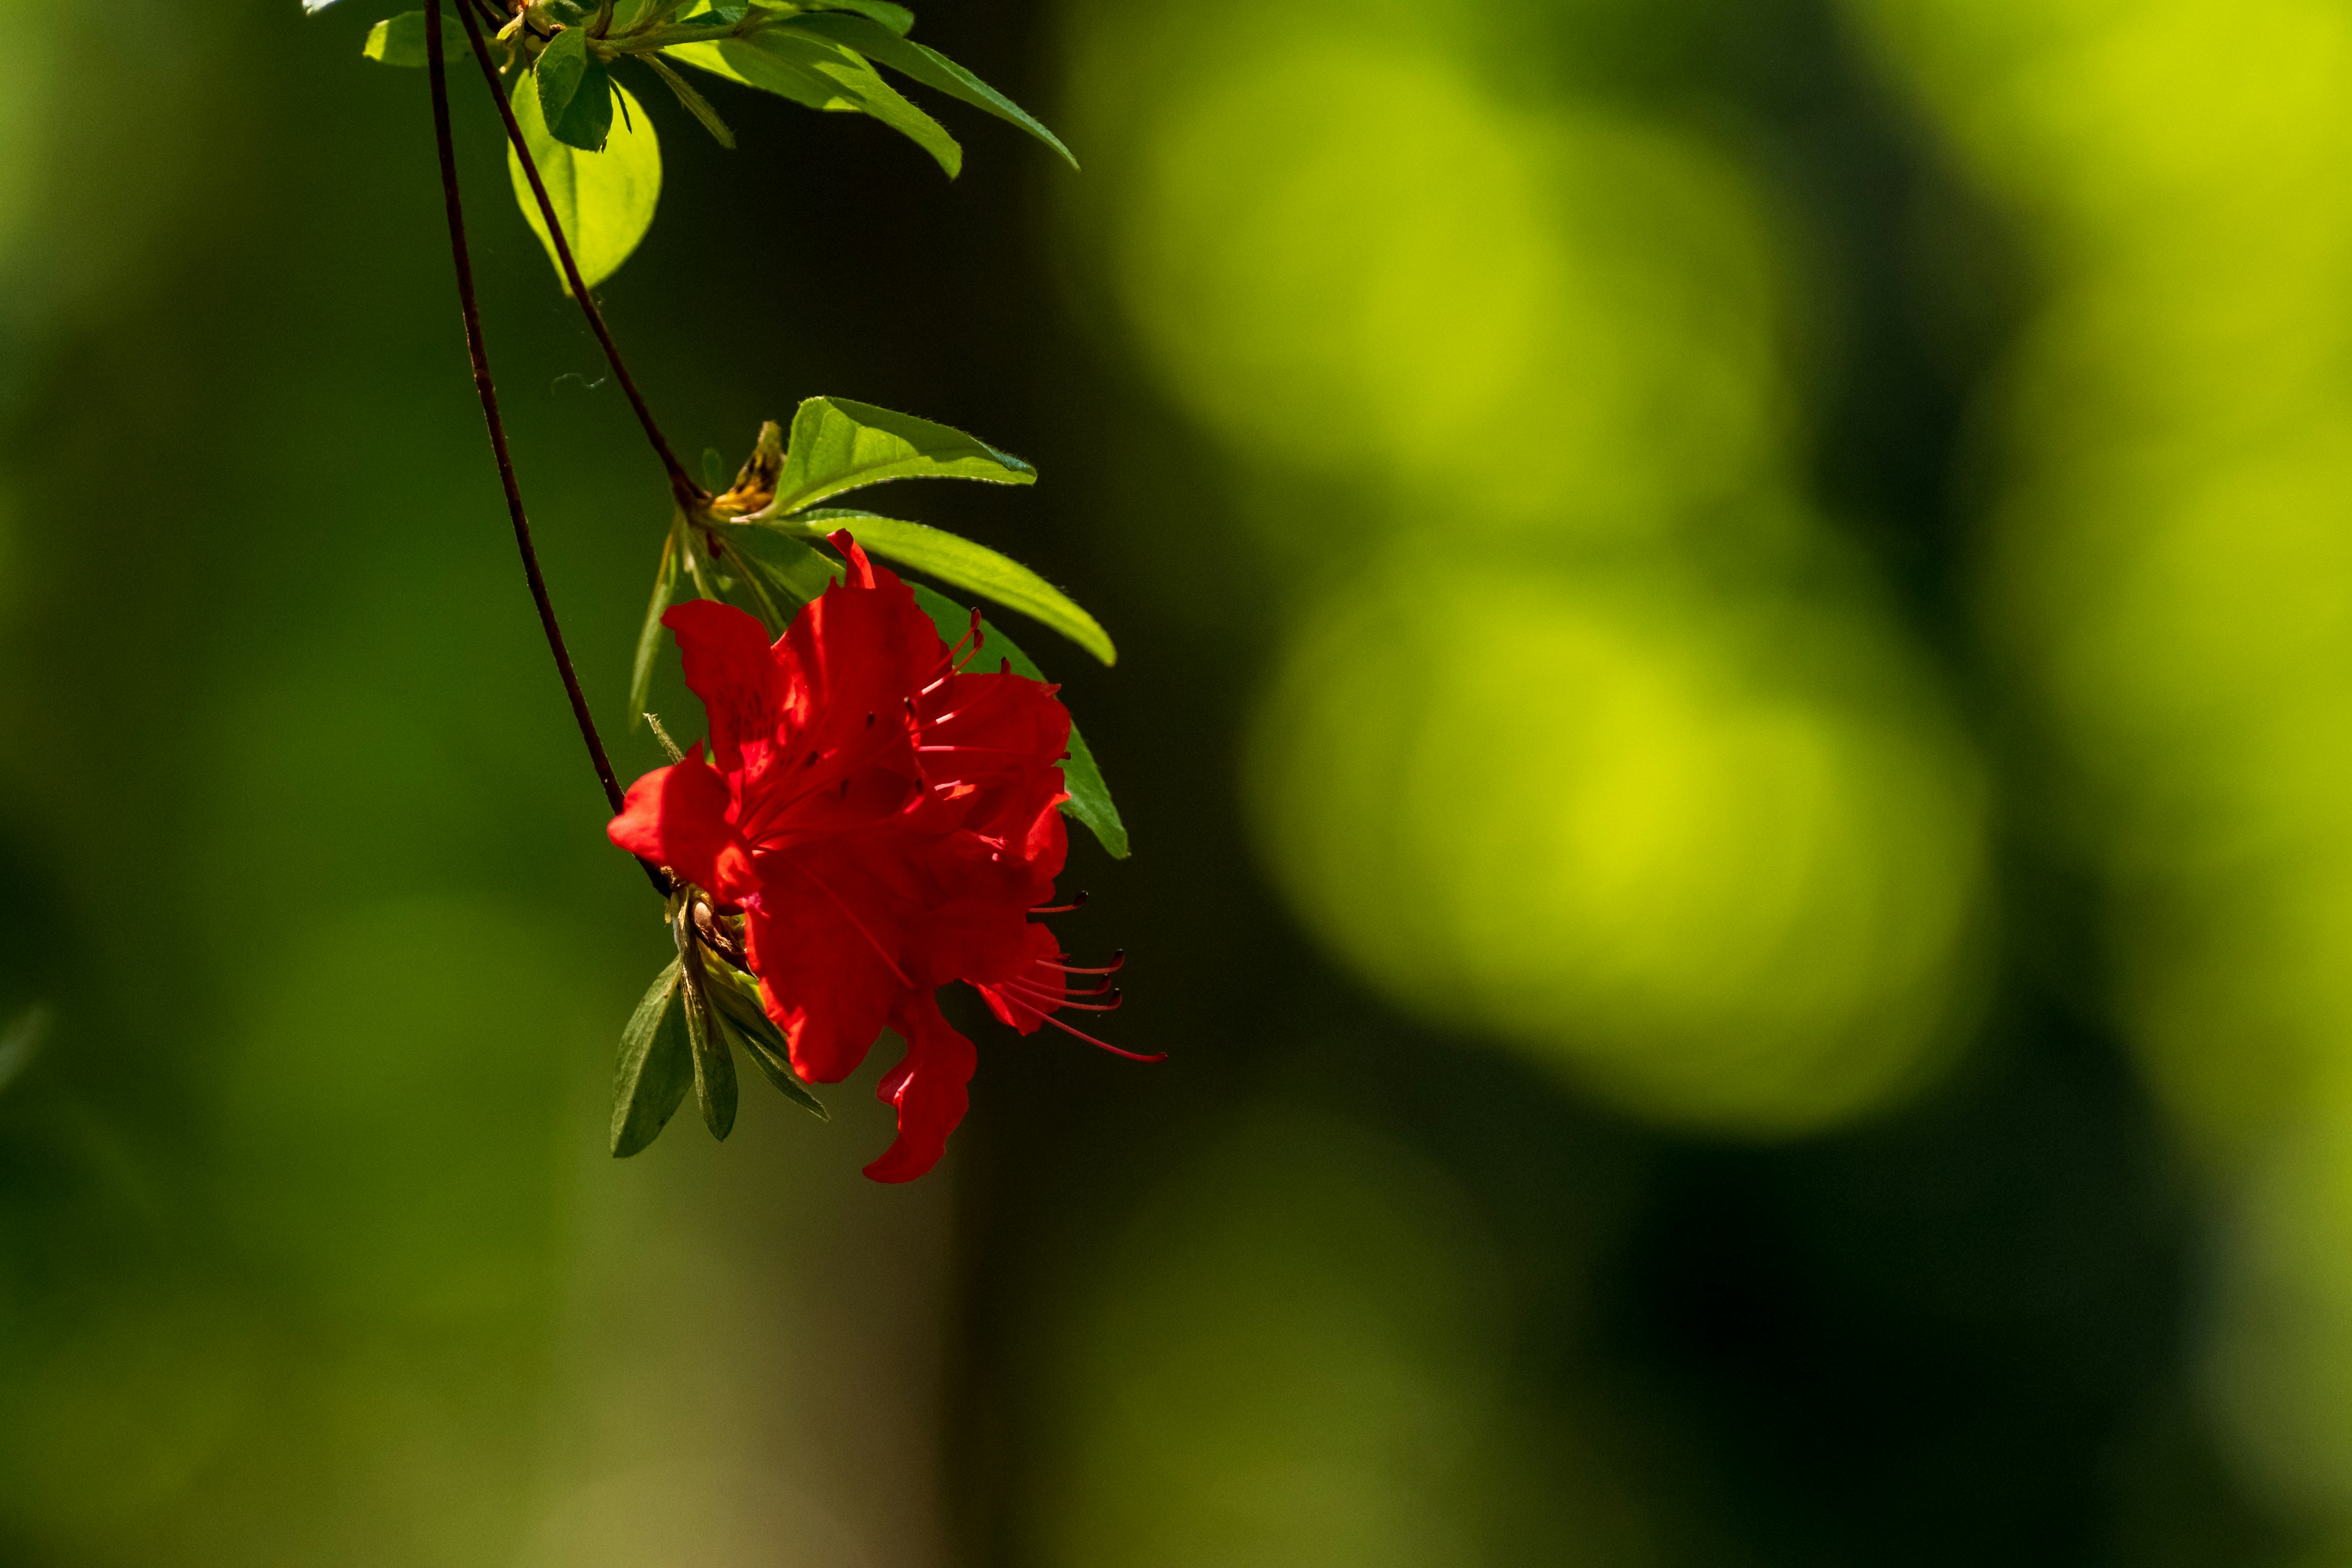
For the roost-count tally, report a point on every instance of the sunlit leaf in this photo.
(650, 1080)
(641, 674)
(400, 40)
(955, 559)
(933, 69)
(1089, 801)
(737, 998)
(603, 200)
(838, 445)
(821, 74)
(778, 56)
(714, 1068)
(897, 18)
(575, 93)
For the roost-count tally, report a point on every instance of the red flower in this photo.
(886, 821)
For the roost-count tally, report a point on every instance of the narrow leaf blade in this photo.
(925, 65)
(760, 1040)
(603, 200)
(824, 75)
(838, 445)
(693, 102)
(641, 673)
(1090, 802)
(650, 1077)
(714, 1067)
(958, 561)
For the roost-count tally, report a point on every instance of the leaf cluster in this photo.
(684, 1032)
(599, 152)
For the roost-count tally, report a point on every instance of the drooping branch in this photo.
(461, 255)
(689, 495)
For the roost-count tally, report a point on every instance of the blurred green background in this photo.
(1735, 706)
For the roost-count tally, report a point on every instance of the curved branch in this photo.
(690, 496)
(487, 390)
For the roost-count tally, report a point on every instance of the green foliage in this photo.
(641, 673)
(955, 559)
(737, 997)
(692, 101)
(714, 1068)
(1089, 801)
(823, 57)
(925, 65)
(837, 446)
(575, 93)
(650, 1080)
(605, 200)
(820, 74)
(400, 40)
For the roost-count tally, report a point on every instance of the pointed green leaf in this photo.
(693, 102)
(603, 200)
(958, 561)
(897, 18)
(649, 1080)
(400, 40)
(714, 1068)
(838, 445)
(738, 997)
(641, 674)
(925, 65)
(1089, 801)
(788, 565)
(575, 93)
(822, 75)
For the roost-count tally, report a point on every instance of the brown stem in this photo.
(689, 495)
(480, 354)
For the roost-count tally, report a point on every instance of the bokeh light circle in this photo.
(1715, 863)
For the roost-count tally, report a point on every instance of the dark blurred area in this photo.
(1736, 630)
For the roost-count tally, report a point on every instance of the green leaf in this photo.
(693, 102)
(822, 75)
(897, 18)
(1089, 801)
(925, 65)
(650, 1078)
(838, 445)
(603, 200)
(788, 564)
(714, 1068)
(956, 560)
(400, 40)
(737, 998)
(575, 93)
(641, 674)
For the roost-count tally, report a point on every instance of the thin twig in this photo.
(480, 353)
(689, 495)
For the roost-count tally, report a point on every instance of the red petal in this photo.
(677, 816)
(730, 667)
(828, 935)
(1039, 972)
(929, 1088)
